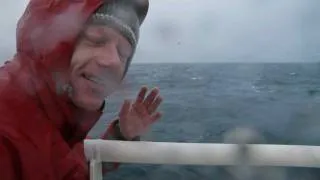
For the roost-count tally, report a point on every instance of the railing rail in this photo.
(98, 151)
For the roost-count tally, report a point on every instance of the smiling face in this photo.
(97, 65)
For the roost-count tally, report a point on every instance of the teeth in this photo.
(97, 80)
(94, 79)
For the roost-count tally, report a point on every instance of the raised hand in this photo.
(136, 117)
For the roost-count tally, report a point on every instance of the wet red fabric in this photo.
(41, 131)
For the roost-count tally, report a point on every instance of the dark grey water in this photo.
(203, 101)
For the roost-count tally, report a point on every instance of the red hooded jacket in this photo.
(41, 131)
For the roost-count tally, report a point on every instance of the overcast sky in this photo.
(212, 30)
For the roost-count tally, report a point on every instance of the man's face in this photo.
(97, 65)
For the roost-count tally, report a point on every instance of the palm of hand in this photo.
(135, 118)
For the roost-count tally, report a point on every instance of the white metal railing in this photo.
(98, 151)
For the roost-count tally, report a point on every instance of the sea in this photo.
(202, 102)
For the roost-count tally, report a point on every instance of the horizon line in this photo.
(234, 62)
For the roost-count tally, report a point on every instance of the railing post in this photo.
(96, 165)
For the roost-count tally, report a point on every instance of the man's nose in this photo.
(108, 56)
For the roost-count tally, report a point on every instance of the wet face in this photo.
(97, 65)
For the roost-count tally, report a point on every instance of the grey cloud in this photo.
(213, 31)
(231, 30)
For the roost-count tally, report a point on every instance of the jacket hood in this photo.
(48, 29)
(46, 37)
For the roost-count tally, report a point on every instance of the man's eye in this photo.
(96, 41)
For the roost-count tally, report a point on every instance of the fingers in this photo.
(151, 97)
(145, 106)
(125, 108)
(141, 95)
(153, 107)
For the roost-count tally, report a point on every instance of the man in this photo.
(70, 56)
